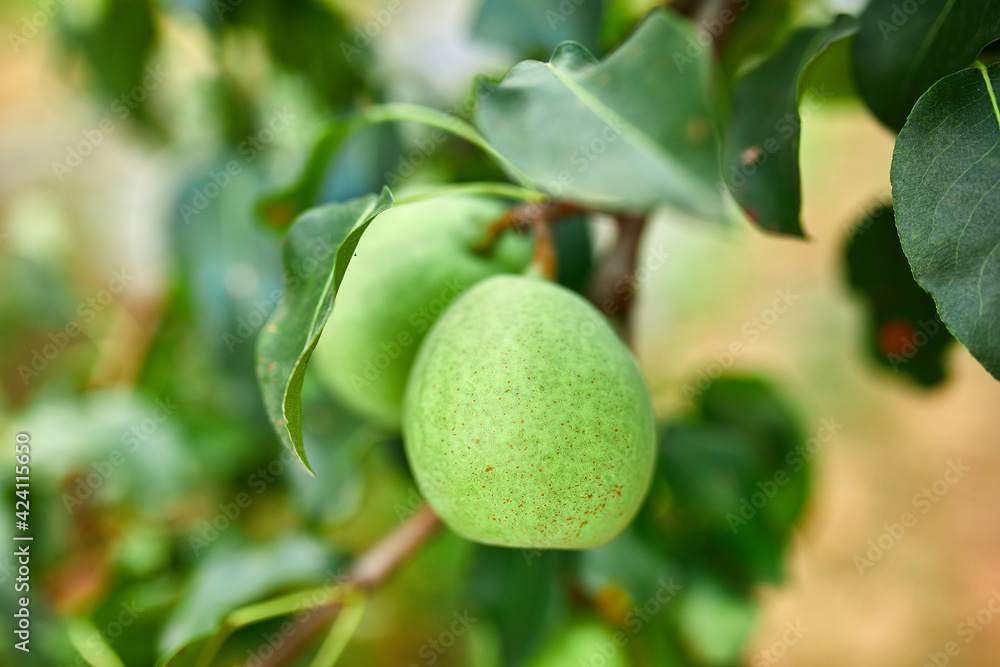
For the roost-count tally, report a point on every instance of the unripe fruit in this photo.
(411, 263)
(526, 422)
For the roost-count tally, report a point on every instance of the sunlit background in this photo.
(136, 273)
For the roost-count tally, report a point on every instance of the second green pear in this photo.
(411, 262)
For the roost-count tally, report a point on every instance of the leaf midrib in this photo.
(616, 120)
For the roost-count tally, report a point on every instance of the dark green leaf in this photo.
(281, 208)
(521, 620)
(761, 152)
(752, 29)
(304, 37)
(630, 565)
(631, 132)
(945, 173)
(904, 330)
(902, 48)
(232, 576)
(317, 251)
(116, 48)
(537, 26)
(730, 482)
(346, 138)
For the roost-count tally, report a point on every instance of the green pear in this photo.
(411, 262)
(526, 421)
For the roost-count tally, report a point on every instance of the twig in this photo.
(612, 289)
(368, 571)
(717, 12)
(374, 566)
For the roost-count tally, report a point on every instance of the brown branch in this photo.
(375, 565)
(711, 13)
(368, 571)
(612, 288)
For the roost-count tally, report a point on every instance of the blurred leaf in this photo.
(363, 164)
(944, 185)
(627, 566)
(484, 646)
(631, 132)
(90, 643)
(233, 575)
(903, 48)
(305, 37)
(761, 150)
(833, 72)
(756, 28)
(521, 620)
(116, 47)
(904, 330)
(335, 493)
(532, 27)
(348, 160)
(582, 642)
(280, 208)
(731, 481)
(317, 250)
(227, 261)
(716, 623)
(113, 447)
(235, 107)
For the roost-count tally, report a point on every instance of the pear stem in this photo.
(536, 217)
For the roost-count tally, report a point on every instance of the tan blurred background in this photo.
(895, 441)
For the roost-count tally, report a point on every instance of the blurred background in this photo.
(136, 138)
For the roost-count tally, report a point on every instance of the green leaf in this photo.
(631, 566)
(117, 48)
(521, 620)
(945, 177)
(235, 575)
(530, 26)
(756, 29)
(761, 151)
(904, 330)
(280, 208)
(317, 251)
(631, 132)
(89, 642)
(902, 48)
(716, 622)
(730, 482)
(583, 641)
(304, 37)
